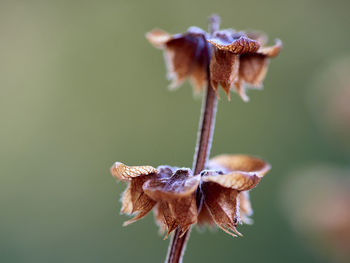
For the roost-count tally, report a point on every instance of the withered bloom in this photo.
(238, 60)
(172, 191)
(214, 192)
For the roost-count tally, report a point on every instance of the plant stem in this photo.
(201, 156)
(206, 130)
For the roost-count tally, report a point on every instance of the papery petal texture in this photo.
(225, 190)
(176, 199)
(253, 68)
(240, 172)
(252, 60)
(126, 173)
(186, 55)
(134, 200)
(224, 67)
(236, 43)
(222, 204)
(245, 208)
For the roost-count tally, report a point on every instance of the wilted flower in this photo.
(172, 191)
(237, 59)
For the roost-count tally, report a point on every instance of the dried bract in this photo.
(186, 55)
(172, 192)
(225, 187)
(134, 200)
(176, 197)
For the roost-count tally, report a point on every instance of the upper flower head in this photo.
(233, 60)
(172, 191)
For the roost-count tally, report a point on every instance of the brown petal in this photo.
(258, 36)
(204, 217)
(134, 200)
(237, 43)
(271, 51)
(158, 37)
(126, 173)
(240, 172)
(253, 68)
(223, 69)
(159, 218)
(252, 71)
(222, 203)
(239, 162)
(176, 197)
(181, 184)
(198, 76)
(245, 208)
(165, 219)
(186, 55)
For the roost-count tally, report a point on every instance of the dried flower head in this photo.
(238, 60)
(172, 191)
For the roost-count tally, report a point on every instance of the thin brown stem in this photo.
(203, 146)
(206, 131)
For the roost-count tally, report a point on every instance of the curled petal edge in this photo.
(241, 45)
(271, 51)
(241, 172)
(126, 173)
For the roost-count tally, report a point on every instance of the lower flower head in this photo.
(172, 192)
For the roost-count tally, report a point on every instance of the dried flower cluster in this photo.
(238, 60)
(171, 191)
(214, 192)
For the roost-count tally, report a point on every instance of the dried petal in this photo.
(186, 55)
(204, 217)
(181, 184)
(253, 60)
(176, 197)
(252, 71)
(271, 51)
(222, 203)
(241, 172)
(237, 43)
(223, 70)
(245, 208)
(239, 163)
(253, 68)
(134, 200)
(159, 218)
(168, 219)
(258, 36)
(126, 173)
(224, 189)
(158, 37)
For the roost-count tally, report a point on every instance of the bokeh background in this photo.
(80, 88)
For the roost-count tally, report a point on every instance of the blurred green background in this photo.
(80, 88)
